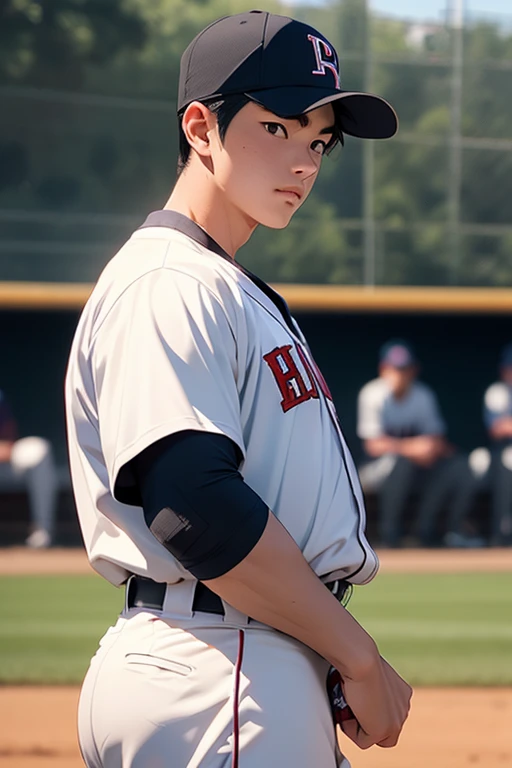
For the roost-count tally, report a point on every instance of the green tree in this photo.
(109, 143)
(48, 43)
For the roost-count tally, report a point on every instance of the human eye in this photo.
(319, 147)
(276, 129)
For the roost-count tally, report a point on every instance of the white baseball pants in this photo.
(204, 692)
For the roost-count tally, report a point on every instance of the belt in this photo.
(146, 593)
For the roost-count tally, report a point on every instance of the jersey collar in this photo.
(175, 220)
(189, 228)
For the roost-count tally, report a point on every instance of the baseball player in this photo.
(29, 463)
(210, 472)
(404, 438)
(498, 420)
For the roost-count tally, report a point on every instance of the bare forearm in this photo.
(378, 446)
(5, 450)
(502, 428)
(275, 585)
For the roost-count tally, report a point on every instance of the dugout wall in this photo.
(458, 335)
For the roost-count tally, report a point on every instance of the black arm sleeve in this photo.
(196, 502)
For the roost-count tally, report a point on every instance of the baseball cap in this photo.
(282, 64)
(397, 353)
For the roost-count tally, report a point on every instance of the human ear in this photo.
(196, 123)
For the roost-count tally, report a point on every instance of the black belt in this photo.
(146, 593)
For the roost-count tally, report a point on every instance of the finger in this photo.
(355, 733)
(389, 742)
(352, 728)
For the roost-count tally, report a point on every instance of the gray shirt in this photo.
(381, 414)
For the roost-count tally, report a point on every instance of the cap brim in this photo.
(401, 367)
(364, 115)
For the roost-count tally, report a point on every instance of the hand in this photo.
(380, 702)
(425, 450)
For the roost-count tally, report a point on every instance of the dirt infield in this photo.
(447, 728)
(20, 560)
(451, 728)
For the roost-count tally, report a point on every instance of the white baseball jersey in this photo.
(380, 413)
(176, 336)
(497, 402)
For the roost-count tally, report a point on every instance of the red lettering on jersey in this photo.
(289, 379)
(314, 373)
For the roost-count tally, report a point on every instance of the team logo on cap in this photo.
(325, 58)
(399, 356)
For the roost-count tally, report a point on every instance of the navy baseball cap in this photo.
(398, 354)
(284, 65)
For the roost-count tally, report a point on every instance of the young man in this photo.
(403, 434)
(209, 470)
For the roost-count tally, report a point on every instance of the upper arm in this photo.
(369, 412)
(431, 417)
(165, 360)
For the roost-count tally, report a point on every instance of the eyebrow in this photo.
(305, 121)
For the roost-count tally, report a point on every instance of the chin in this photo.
(274, 221)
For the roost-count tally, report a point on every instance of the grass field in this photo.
(437, 629)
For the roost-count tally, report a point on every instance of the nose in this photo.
(304, 164)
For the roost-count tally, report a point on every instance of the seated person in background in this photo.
(28, 463)
(498, 420)
(403, 435)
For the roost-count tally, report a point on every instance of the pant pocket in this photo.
(160, 662)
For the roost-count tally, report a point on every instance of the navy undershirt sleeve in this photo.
(196, 502)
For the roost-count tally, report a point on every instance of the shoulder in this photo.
(187, 261)
(497, 397)
(173, 256)
(374, 392)
(423, 392)
(156, 271)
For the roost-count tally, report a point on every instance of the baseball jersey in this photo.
(380, 413)
(497, 402)
(176, 336)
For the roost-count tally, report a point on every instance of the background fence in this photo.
(88, 143)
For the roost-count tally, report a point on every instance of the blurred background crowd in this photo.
(88, 146)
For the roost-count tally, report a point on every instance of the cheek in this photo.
(309, 184)
(247, 172)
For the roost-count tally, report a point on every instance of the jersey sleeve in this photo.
(430, 419)
(496, 403)
(369, 412)
(165, 360)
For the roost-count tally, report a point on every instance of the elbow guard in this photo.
(197, 504)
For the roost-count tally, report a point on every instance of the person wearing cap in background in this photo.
(498, 478)
(209, 469)
(403, 434)
(28, 463)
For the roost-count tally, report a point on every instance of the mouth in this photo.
(292, 193)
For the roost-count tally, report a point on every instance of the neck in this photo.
(197, 196)
(400, 394)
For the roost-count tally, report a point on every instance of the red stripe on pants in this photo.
(236, 694)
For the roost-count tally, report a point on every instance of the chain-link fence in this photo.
(83, 159)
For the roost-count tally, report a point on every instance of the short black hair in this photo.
(227, 107)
